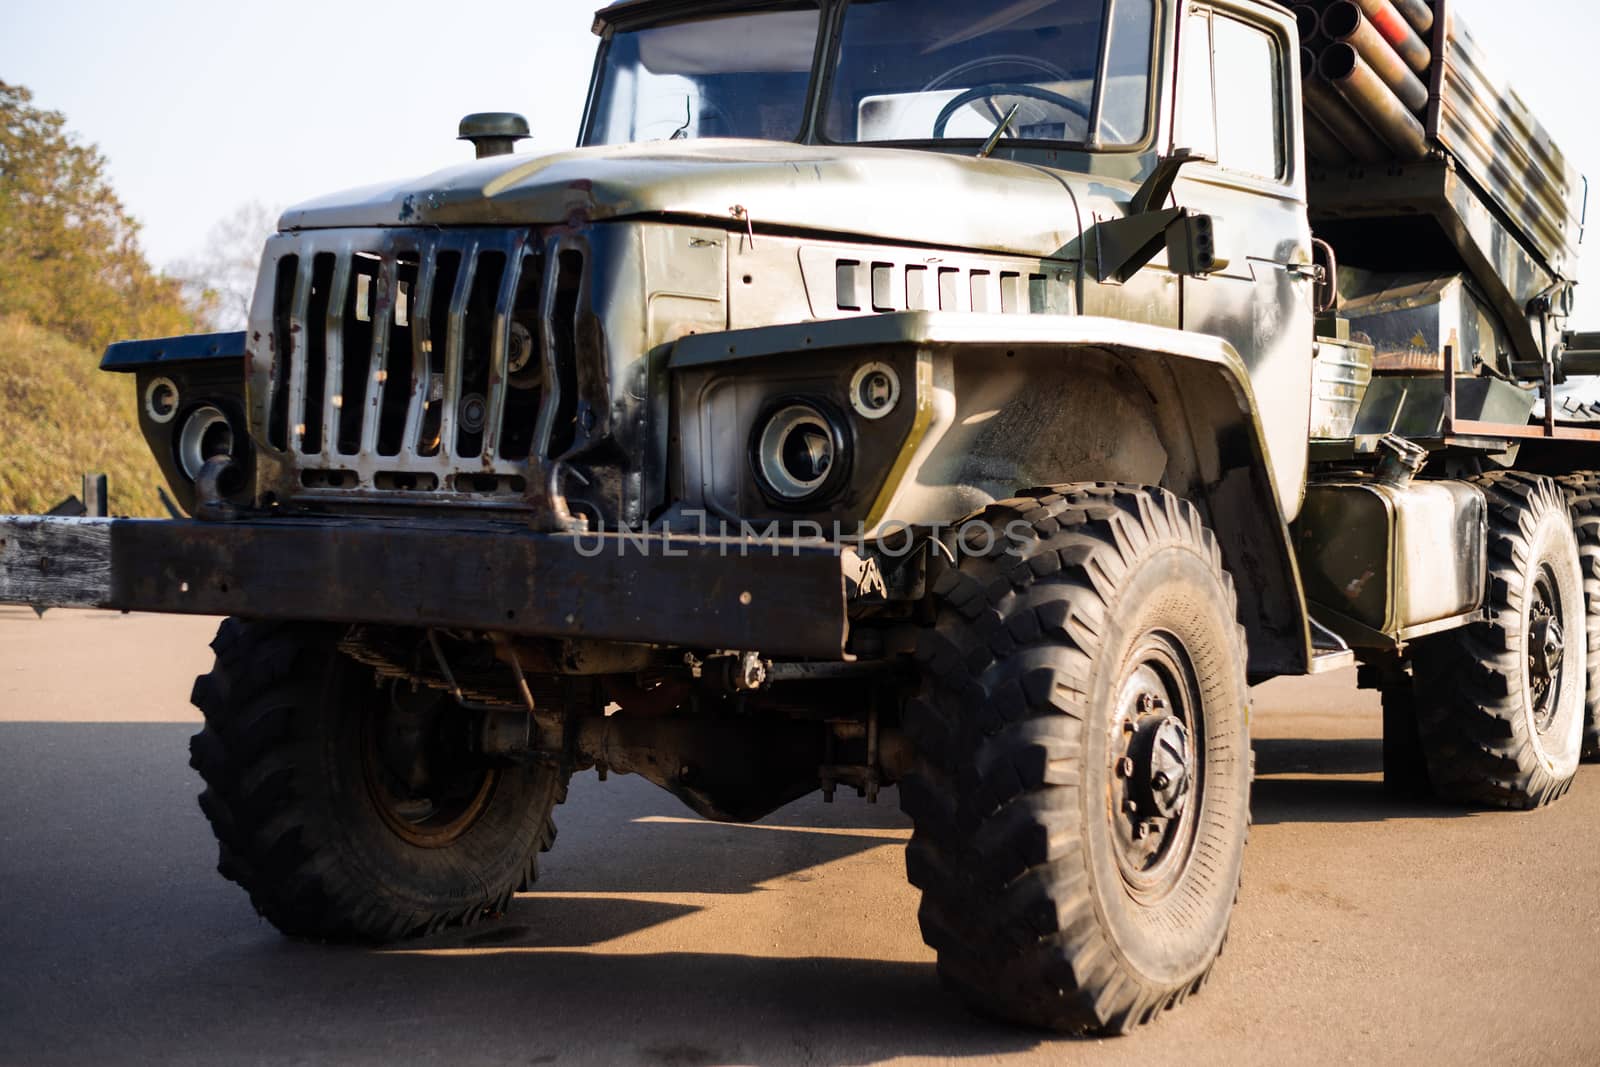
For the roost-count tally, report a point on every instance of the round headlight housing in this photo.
(205, 434)
(875, 391)
(800, 452)
(161, 399)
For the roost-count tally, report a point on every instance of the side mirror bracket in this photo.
(1125, 246)
(1158, 186)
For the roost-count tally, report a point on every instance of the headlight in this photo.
(206, 433)
(800, 452)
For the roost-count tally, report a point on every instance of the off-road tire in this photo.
(1016, 727)
(297, 823)
(1583, 497)
(1490, 739)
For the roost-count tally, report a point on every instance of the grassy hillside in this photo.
(61, 417)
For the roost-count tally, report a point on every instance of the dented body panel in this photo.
(877, 193)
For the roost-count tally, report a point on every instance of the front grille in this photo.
(416, 364)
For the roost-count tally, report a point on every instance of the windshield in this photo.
(743, 75)
(913, 70)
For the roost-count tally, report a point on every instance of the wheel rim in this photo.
(1546, 650)
(426, 790)
(1156, 776)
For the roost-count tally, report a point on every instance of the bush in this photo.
(62, 417)
(72, 280)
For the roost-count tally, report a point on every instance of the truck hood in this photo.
(898, 195)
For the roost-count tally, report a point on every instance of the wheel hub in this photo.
(1160, 754)
(1546, 650)
(1546, 647)
(426, 789)
(1155, 780)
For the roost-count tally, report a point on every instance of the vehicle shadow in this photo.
(1331, 781)
(676, 1009)
(1354, 755)
(122, 943)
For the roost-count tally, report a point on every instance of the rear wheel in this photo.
(1081, 796)
(1583, 497)
(1500, 704)
(355, 813)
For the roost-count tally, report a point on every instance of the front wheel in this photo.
(355, 813)
(1081, 796)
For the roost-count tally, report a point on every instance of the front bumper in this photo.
(781, 598)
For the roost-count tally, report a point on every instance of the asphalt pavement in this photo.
(1370, 930)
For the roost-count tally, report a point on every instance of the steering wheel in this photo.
(993, 89)
(961, 70)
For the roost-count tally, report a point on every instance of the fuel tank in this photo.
(1382, 562)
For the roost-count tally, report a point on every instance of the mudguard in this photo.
(1008, 402)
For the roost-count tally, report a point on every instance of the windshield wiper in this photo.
(999, 131)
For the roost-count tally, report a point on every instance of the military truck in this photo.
(975, 399)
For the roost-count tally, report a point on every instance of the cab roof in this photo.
(624, 12)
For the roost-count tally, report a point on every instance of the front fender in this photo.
(1008, 402)
(180, 378)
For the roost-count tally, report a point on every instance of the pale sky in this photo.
(202, 105)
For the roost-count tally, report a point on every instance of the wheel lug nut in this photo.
(1140, 831)
(1161, 781)
(1125, 767)
(1130, 807)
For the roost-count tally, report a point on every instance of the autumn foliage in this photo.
(72, 279)
(69, 255)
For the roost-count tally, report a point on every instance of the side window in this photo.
(1197, 108)
(1230, 104)
(1249, 99)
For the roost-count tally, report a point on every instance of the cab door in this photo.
(1236, 90)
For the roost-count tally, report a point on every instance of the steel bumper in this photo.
(784, 598)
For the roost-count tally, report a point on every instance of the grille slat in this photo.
(547, 328)
(333, 372)
(420, 306)
(382, 311)
(295, 353)
(455, 340)
(564, 274)
(499, 361)
(272, 414)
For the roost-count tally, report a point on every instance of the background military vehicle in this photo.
(974, 399)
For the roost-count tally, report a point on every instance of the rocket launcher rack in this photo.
(1405, 122)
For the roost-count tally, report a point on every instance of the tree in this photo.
(222, 279)
(69, 253)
